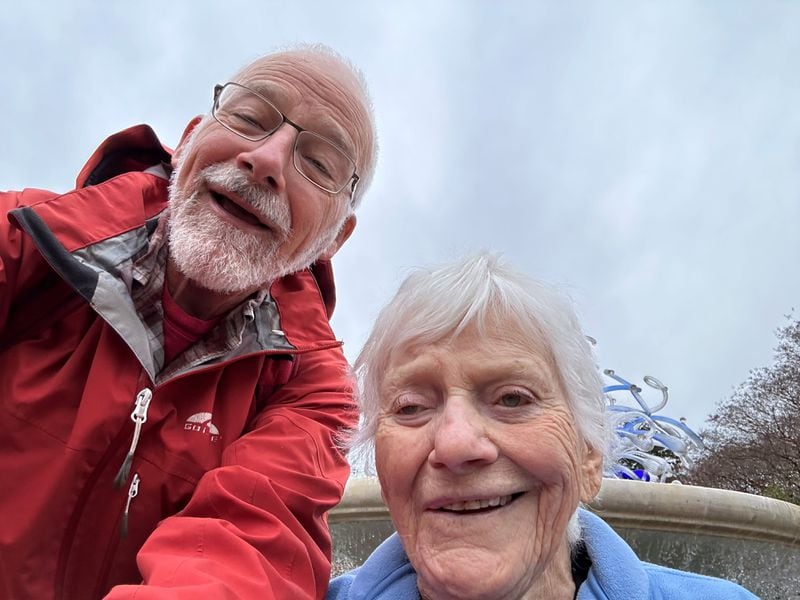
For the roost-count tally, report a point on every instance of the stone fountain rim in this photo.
(639, 505)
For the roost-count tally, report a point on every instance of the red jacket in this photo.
(236, 464)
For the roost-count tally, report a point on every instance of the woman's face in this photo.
(481, 465)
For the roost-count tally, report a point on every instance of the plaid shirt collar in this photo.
(148, 274)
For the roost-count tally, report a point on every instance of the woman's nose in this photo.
(461, 442)
(266, 161)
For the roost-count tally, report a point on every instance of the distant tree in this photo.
(753, 438)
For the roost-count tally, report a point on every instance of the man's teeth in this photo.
(237, 211)
(477, 504)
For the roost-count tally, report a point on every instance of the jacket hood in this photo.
(134, 149)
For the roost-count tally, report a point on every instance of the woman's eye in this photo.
(410, 405)
(513, 400)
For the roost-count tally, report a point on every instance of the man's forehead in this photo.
(316, 95)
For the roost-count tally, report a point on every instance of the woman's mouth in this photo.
(481, 505)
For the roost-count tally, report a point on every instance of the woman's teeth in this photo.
(477, 504)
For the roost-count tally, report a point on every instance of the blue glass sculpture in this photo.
(645, 440)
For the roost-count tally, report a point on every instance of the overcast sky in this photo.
(646, 155)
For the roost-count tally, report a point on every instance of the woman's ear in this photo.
(591, 474)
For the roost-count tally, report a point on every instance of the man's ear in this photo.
(591, 474)
(345, 232)
(186, 133)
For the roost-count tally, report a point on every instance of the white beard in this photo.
(222, 257)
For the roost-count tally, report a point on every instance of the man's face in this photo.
(480, 463)
(241, 214)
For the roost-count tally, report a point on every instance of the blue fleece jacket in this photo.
(616, 574)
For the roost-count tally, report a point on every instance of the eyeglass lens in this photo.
(315, 157)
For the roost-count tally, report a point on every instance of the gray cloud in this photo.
(644, 155)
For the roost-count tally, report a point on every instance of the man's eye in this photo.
(409, 410)
(248, 121)
(317, 163)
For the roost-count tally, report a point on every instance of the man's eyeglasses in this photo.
(250, 115)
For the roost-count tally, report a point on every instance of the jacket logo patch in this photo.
(201, 423)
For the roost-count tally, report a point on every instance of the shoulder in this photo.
(619, 573)
(386, 575)
(303, 308)
(339, 588)
(87, 215)
(12, 201)
(123, 184)
(681, 584)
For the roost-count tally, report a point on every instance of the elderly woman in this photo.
(482, 399)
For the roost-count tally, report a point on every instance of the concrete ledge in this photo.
(638, 505)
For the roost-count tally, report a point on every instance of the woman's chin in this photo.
(466, 580)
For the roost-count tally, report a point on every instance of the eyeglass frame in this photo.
(284, 119)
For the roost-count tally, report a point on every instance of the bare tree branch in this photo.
(753, 437)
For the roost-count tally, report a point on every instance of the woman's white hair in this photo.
(438, 303)
(480, 291)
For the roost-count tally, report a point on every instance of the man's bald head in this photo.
(333, 76)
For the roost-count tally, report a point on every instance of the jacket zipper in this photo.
(139, 417)
(133, 491)
(64, 551)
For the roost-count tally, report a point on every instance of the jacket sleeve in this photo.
(10, 250)
(256, 527)
(20, 268)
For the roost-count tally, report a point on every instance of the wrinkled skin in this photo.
(477, 421)
(221, 258)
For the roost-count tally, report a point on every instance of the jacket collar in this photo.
(134, 149)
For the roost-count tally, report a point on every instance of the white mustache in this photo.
(264, 202)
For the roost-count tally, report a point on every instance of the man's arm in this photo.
(20, 269)
(256, 526)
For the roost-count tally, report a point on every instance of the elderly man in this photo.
(171, 387)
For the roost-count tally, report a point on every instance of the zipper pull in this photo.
(138, 416)
(132, 492)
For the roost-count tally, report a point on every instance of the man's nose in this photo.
(268, 160)
(461, 442)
